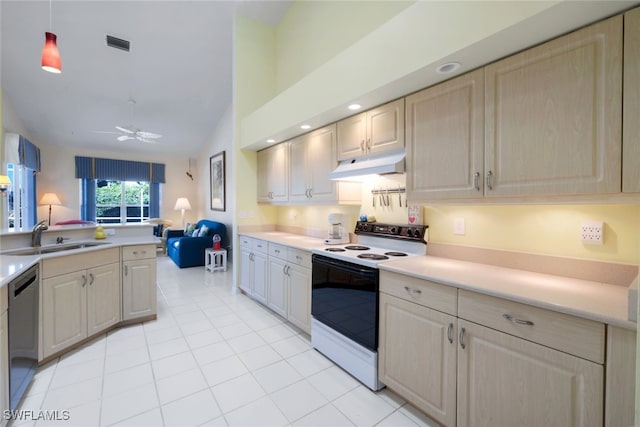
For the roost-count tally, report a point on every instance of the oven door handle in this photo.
(345, 266)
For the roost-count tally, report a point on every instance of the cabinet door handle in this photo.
(512, 319)
(84, 280)
(276, 251)
(91, 279)
(288, 268)
(462, 344)
(310, 192)
(369, 143)
(362, 145)
(298, 257)
(476, 181)
(412, 290)
(126, 270)
(450, 333)
(489, 176)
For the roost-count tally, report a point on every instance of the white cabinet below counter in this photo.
(138, 282)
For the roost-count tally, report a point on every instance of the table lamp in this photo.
(50, 199)
(182, 204)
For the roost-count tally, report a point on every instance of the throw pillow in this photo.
(195, 233)
(204, 231)
(188, 229)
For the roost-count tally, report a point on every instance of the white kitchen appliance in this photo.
(336, 234)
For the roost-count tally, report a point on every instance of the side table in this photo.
(215, 260)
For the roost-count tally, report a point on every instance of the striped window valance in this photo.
(119, 170)
(29, 154)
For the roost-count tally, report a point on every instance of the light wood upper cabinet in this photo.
(273, 174)
(631, 119)
(445, 139)
(312, 158)
(375, 131)
(508, 381)
(553, 116)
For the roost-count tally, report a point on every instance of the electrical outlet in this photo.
(458, 226)
(592, 232)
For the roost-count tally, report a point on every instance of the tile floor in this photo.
(213, 358)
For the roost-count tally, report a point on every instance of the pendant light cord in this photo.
(50, 18)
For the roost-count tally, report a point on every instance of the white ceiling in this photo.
(179, 69)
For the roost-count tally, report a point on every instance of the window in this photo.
(121, 201)
(21, 197)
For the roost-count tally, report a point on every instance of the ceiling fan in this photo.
(129, 132)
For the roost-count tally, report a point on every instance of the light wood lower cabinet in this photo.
(299, 307)
(417, 356)
(79, 304)
(278, 286)
(253, 268)
(138, 281)
(4, 364)
(508, 381)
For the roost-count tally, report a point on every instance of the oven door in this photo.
(344, 297)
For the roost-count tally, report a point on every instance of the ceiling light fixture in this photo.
(305, 127)
(50, 55)
(270, 141)
(354, 107)
(448, 68)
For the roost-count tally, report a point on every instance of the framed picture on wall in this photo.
(217, 170)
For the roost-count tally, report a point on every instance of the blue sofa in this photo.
(187, 251)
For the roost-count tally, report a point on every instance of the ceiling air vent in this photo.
(118, 43)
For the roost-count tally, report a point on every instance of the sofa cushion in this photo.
(204, 231)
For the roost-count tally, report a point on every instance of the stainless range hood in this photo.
(360, 168)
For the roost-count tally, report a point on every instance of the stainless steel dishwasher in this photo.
(23, 332)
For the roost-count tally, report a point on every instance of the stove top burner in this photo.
(357, 248)
(392, 253)
(335, 250)
(374, 257)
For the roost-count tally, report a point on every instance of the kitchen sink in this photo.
(52, 249)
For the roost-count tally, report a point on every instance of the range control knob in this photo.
(393, 230)
(416, 233)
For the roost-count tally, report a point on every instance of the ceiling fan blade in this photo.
(144, 134)
(104, 131)
(124, 138)
(125, 130)
(148, 141)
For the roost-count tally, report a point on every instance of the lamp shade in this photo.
(4, 181)
(50, 199)
(182, 203)
(50, 55)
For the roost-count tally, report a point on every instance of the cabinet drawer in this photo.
(580, 337)
(260, 246)
(299, 257)
(70, 263)
(278, 251)
(429, 294)
(246, 242)
(138, 252)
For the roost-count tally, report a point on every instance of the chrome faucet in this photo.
(36, 233)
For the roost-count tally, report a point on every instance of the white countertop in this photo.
(597, 301)
(601, 302)
(12, 265)
(297, 241)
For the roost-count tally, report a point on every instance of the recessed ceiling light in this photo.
(448, 67)
(305, 127)
(271, 141)
(354, 107)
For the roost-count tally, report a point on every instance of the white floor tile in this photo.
(212, 353)
(259, 357)
(333, 382)
(234, 330)
(126, 379)
(291, 346)
(277, 376)
(262, 412)
(417, 416)
(197, 326)
(76, 373)
(237, 392)
(204, 338)
(218, 422)
(126, 360)
(180, 385)
(363, 407)
(397, 419)
(84, 415)
(172, 365)
(298, 400)
(277, 332)
(162, 335)
(128, 404)
(328, 415)
(223, 370)
(73, 395)
(310, 362)
(168, 348)
(192, 410)
(246, 342)
(146, 419)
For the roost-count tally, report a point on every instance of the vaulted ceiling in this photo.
(178, 69)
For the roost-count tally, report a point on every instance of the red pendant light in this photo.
(50, 54)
